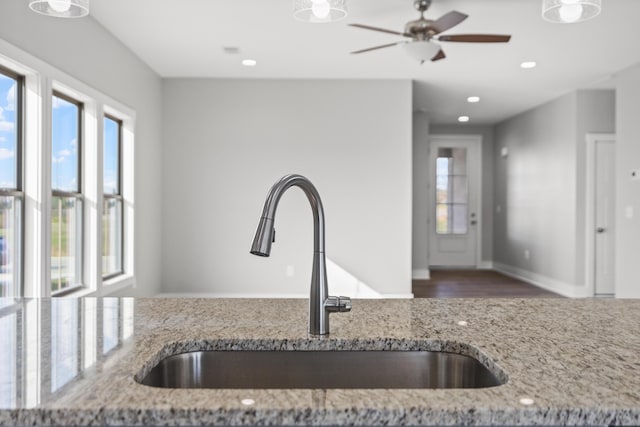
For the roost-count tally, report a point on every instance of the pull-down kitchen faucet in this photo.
(320, 303)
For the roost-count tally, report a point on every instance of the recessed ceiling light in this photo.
(528, 64)
(463, 119)
(473, 99)
(249, 62)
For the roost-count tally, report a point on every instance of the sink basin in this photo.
(320, 369)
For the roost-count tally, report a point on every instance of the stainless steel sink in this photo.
(320, 369)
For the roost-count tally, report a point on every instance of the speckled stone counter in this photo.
(74, 362)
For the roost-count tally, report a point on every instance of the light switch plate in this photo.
(635, 175)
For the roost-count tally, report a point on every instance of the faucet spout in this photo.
(320, 303)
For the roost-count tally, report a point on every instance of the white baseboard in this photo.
(421, 274)
(544, 282)
(257, 295)
(486, 265)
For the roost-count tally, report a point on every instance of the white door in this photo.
(604, 217)
(455, 185)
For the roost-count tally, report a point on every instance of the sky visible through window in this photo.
(64, 146)
(8, 132)
(111, 148)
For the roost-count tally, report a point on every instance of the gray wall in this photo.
(540, 188)
(536, 191)
(420, 262)
(227, 141)
(487, 134)
(628, 191)
(85, 50)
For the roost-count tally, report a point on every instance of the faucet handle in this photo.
(337, 304)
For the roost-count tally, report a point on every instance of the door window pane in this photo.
(112, 237)
(64, 145)
(452, 191)
(459, 219)
(66, 243)
(10, 250)
(8, 132)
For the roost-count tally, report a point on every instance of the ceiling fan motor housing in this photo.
(420, 29)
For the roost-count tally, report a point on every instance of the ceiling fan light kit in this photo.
(425, 32)
(61, 8)
(422, 50)
(570, 11)
(319, 11)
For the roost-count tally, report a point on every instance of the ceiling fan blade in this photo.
(376, 47)
(447, 21)
(475, 38)
(368, 27)
(440, 55)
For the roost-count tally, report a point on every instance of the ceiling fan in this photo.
(423, 32)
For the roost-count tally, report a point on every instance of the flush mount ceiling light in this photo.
(319, 11)
(61, 8)
(570, 11)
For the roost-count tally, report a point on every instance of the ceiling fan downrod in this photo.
(422, 5)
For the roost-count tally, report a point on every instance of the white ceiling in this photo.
(185, 38)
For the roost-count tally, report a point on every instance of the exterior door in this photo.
(604, 217)
(454, 218)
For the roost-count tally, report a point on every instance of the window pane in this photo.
(64, 142)
(8, 132)
(452, 191)
(112, 237)
(459, 189)
(460, 219)
(443, 219)
(459, 159)
(66, 243)
(111, 179)
(442, 165)
(442, 188)
(10, 251)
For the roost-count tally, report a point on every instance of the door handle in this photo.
(600, 230)
(474, 222)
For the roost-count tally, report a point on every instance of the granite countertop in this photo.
(74, 362)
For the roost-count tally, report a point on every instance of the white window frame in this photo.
(41, 79)
(61, 93)
(18, 193)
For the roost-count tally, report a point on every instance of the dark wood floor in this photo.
(476, 284)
